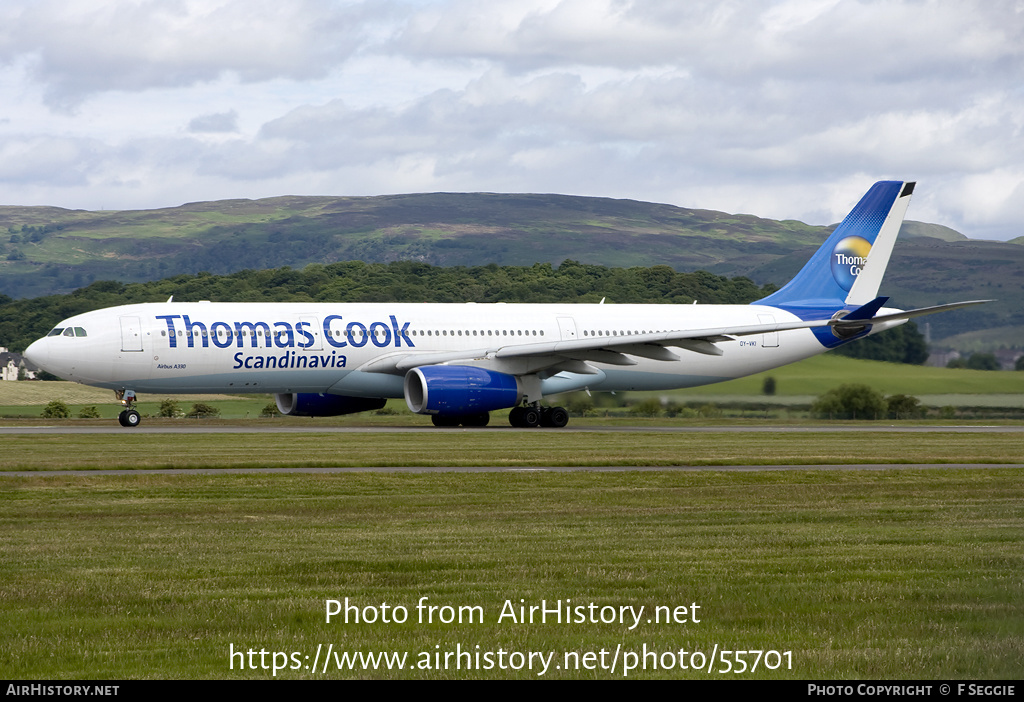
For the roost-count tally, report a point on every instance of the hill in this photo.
(51, 250)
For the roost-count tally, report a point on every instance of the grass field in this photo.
(797, 384)
(896, 574)
(903, 573)
(820, 374)
(505, 448)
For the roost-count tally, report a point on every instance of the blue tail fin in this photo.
(848, 268)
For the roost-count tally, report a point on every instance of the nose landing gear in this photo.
(128, 417)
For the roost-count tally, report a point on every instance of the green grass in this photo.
(820, 374)
(798, 383)
(896, 574)
(459, 447)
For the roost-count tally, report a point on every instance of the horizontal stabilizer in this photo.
(850, 321)
(867, 311)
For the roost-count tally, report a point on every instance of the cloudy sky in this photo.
(786, 109)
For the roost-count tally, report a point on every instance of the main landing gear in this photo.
(128, 417)
(478, 419)
(535, 416)
(525, 417)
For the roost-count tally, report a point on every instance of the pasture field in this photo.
(896, 574)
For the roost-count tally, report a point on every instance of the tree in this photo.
(902, 344)
(904, 407)
(768, 387)
(983, 361)
(850, 401)
(1019, 365)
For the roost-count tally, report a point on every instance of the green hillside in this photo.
(47, 250)
(52, 250)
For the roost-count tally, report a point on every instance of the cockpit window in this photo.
(69, 331)
(56, 332)
(80, 331)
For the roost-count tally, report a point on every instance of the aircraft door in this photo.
(769, 339)
(567, 327)
(131, 334)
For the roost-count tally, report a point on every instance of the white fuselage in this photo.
(327, 347)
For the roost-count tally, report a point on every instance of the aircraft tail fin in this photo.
(848, 268)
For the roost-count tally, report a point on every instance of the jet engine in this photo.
(311, 404)
(459, 390)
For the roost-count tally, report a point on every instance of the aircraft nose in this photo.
(38, 353)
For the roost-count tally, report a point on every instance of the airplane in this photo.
(460, 362)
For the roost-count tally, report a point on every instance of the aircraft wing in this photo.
(614, 350)
(618, 350)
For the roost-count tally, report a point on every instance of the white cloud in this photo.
(83, 47)
(217, 122)
(784, 109)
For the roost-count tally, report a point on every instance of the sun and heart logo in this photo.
(848, 258)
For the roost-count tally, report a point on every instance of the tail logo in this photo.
(848, 257)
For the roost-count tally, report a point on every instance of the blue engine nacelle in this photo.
(459, 390)
(311, 404)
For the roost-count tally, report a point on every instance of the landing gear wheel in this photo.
(445, 420)
(515, 417)
(531, 417)
(524, 417)
(129, 418)
(480, 419)
(556, 417)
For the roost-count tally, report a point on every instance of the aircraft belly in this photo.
(267, 381)
(360, 384)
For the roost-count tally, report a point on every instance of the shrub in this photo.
(768, 388)
(851, 401)
(710, 411)
(579, 404)
(56, 409)
(89, 412)
(169, 408)
(202, 410)
(651, 407)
